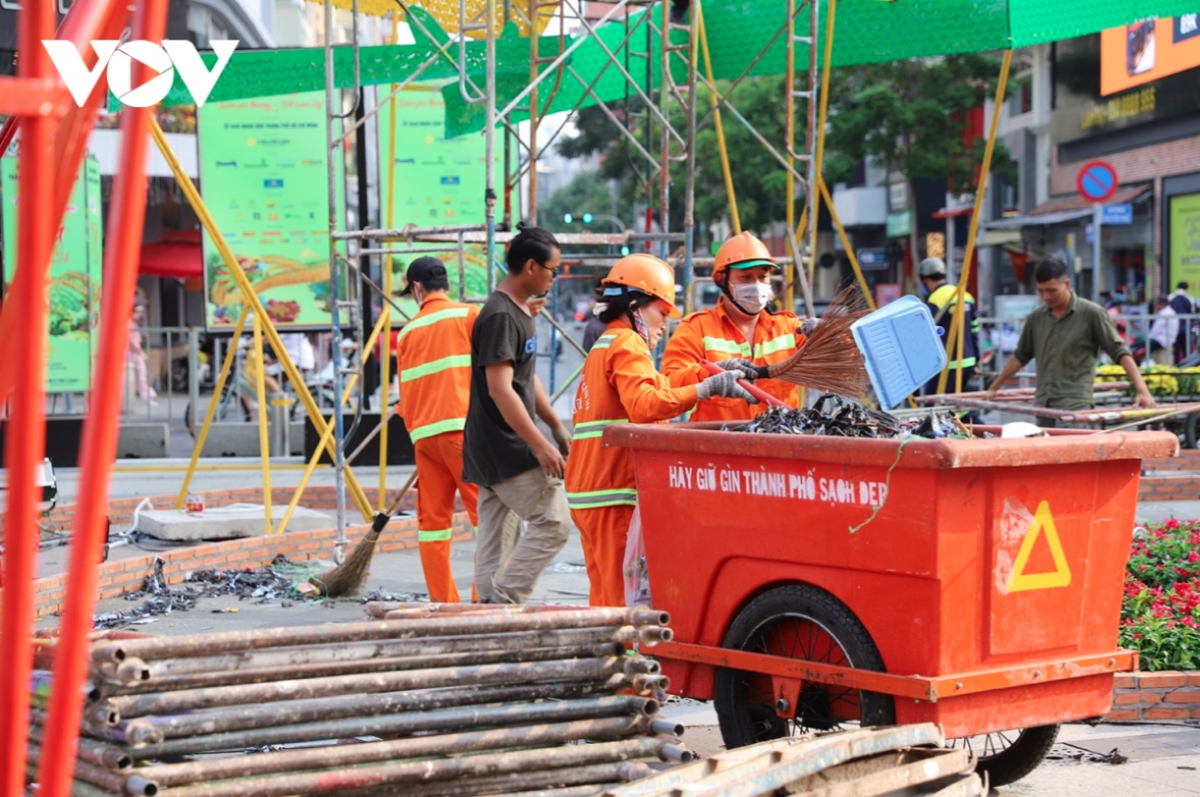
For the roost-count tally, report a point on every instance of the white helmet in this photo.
(932, 267)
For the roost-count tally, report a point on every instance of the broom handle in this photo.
(757, 392)
(408, 485)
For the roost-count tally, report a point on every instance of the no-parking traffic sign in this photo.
(1097, 181)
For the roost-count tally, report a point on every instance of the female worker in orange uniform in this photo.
(739, 332)
(620, 385)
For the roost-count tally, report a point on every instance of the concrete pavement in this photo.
(1163, 760)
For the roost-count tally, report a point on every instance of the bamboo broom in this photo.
(829, 361)
(350, 574)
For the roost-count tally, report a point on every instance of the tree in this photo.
(911, 117)
(587, 192)
(759, 179)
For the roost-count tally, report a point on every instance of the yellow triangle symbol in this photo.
(1061, 577)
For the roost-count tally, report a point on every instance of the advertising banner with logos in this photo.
(76, 269)
(438, 180)
(1133, 55)
(1183, 248)
(263, 175)
(1122, 78)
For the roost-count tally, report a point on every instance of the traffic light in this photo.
(568, 218)
(586, 218)
(624, 249)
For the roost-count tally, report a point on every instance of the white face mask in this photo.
(753, 296)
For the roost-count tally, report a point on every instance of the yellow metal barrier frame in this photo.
(255, 306)
(956, 326)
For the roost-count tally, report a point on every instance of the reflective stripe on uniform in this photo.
(436, 366)
(441, 427)
(433, 318)
(725, 346)
(591, 429)
(441, 535)
(967, 362)
(604, 341)
(773, 345)
(599, 498)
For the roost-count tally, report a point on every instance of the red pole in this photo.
(84, 22)
(25, 434)
(122, 247)
(100, 19)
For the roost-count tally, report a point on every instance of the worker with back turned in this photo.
(942, 297)
(619, 385)
(739, 334)
(433, 359)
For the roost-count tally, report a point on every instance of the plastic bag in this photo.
(637, 579)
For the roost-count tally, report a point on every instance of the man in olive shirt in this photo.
(1065, 335)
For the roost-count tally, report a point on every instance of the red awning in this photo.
(176, 256)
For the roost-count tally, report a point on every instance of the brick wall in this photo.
(1188, 459)
(1171, 478)
(1135, 165)
(1168, 695)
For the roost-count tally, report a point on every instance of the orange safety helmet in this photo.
(645, 274)
(742, 251)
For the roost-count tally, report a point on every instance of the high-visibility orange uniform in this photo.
(433, 358)
(618, 385)
(711, 335)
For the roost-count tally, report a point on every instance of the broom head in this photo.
(351, 573)
(830, 361)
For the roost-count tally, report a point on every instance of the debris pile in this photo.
(260, 585)
(438, 699)
(833, 416)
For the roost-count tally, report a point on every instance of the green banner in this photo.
(76, 267)
(438, 180)
(264, 178)
(1183, 248)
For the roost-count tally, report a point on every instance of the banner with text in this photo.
(76, 269)
(264, 177)
(438, 180)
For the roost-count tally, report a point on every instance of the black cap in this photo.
(423, 269)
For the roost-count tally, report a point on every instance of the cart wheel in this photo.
(1190, 431)
(799, 622)
(1008, 756)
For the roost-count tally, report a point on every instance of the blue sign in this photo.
(1116, 214)
(1097, 181)
(872, 259)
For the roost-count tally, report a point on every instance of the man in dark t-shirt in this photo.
(516, 467)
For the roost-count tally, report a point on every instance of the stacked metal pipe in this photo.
(431, 700)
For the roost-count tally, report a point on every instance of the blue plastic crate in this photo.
(902, 348)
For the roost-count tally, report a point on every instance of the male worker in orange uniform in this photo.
(738, 334)
(433, 359)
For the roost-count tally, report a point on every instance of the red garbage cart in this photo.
(818, 581)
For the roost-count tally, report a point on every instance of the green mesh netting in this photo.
(563, 91)
(866, 31)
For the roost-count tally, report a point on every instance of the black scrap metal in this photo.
(260, 585)
(834, 416)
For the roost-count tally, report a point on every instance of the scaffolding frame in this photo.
(673, 147)
(53, 142)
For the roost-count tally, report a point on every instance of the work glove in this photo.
(724, 385)
(747, 369)
(809, 326)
